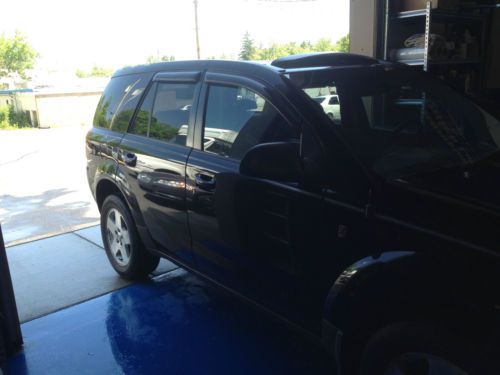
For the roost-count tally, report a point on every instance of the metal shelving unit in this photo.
(418, 62)
(438, 13)
(424, 20)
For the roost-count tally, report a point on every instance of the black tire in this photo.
(129, 258)
(411, 347)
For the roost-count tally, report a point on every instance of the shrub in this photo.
(4, 117)
(10, 119)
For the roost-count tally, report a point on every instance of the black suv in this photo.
(377, 229)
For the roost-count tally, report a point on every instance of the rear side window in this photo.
(118, 102)
(165, 112)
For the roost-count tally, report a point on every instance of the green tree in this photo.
(155, 59)
(10, 119)
(96, 71)
(16, 55)
(342, 44)
(99, 71)
(277, 50)
(248, 50)
(323, 45)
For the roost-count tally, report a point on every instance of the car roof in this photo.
(323, 59)
(249, 67)
(288, 63)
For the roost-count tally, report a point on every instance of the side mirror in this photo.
(278, 161)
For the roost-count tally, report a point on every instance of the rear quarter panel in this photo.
(102, 154)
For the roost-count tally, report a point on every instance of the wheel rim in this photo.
(118, 237)
(422, 364)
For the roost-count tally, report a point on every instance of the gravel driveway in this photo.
(43, 185)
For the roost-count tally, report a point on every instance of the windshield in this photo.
(401, 122)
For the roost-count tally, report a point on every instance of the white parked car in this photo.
(331, 106)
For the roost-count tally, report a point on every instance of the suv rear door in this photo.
(153, 160)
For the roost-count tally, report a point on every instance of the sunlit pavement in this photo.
(43, 184)
(174, 324)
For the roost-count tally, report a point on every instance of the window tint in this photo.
(118, 102)
(237, 119)
(401, 122)
(143, 117)
(171, 110)
(410, 130)
(327, 98)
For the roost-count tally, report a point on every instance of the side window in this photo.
(171, 110)
(334, 100)
(165, 111)
(143, 117)
(237, 119)
(327, 98)
(118, 102)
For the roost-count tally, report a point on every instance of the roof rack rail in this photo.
(311, 60)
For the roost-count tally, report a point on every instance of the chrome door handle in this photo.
(204, 181)
(129, 158)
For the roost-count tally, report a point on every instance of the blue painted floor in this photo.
(175, 324)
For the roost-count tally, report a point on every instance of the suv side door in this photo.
(248, 233)
(153, 161)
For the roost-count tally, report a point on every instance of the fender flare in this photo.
(338, 305)
(129, 199)
(403, 285)
(359, 271)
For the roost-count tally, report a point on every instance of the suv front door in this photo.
(247, 233)
(153, 160)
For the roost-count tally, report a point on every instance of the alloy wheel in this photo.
(118, 237)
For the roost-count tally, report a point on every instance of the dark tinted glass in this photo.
(334, 100)
(118, 102)
(171, 111)
(143, 117)
(237, 119)
(126, 107)
(326, 96)
(404, 123)
(412, 129)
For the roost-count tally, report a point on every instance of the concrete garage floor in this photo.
(60, 271)
(81, 318)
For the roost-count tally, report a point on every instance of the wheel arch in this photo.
(399, 285)
(104, 188)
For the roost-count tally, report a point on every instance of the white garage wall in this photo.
(62, 110)
(362, 27)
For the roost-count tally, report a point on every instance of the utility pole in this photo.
(196, 28)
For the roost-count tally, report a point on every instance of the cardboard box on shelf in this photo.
(406, 5)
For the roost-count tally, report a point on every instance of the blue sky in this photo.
(110, 33)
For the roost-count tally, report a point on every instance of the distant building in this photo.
(54, 107)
